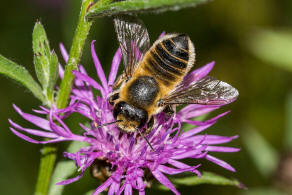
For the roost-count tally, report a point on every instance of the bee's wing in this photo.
(208, 90)
(133, 39)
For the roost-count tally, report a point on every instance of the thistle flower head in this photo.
(129, 159)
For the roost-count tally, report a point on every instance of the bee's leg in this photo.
(150, 125)
(119, 80)
(168, 110)
(113, 97)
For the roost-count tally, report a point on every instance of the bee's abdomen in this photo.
(168, 59)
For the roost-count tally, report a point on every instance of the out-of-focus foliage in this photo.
(264, 156)
(274, 47)
(227, 31)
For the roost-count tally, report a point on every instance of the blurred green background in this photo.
(251, 42)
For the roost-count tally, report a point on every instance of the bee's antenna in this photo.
(144, 138)
(105, 124)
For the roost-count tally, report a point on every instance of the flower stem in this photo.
(49, 153)
(45, 170)
(80, 36)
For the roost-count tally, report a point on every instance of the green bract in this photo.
(45, 61)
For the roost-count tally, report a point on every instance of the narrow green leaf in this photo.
(20, 74)
(53, 75)
(109, 8)
(41, 49)
(207, 178)
(45, 61)
(274, 47)
(64, 169)
(263, 154)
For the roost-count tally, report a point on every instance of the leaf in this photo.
(109, 8)
(263, 154)
(53, 75)
(274, 47)
(45, 61)
(41, 49)
(20, 74)
(64, 169)
(267, 190)
(207, 178)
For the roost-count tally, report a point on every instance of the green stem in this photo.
(80, 36)
(49, 153)
(48, 159)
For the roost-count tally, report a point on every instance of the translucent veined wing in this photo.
(133, 39)
(208, 90)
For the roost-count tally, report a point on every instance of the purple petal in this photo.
(39, 122)
(198, 111)
(198, 74)
(40, 111)
(103, 186)
(172, 171)
(213, 139)
(61, 71)
(196, 130)
(181, 165)
(220, 162)
(164, 181)
(210, 121)
(33, 131)
(26, 138)
(141, 186)
(221, 149)
(98, 67)
(57, 129)
(122, 189)
(189, 154)
(71, 180)
(162, 34)
(89, 80)
(115, 67)
(128, 189)
(64, 52)
(114, 188)
(64, 126)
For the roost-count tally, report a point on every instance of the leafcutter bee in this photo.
(153, 79)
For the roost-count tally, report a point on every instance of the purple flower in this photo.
(128, 157)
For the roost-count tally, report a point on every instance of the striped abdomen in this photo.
(169, 59)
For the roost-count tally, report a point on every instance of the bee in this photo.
(101, 169)
(154, 79)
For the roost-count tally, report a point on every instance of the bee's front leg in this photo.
(113, 97)
(168, 110)
(150, 125)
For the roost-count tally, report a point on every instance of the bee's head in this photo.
(129, 116)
